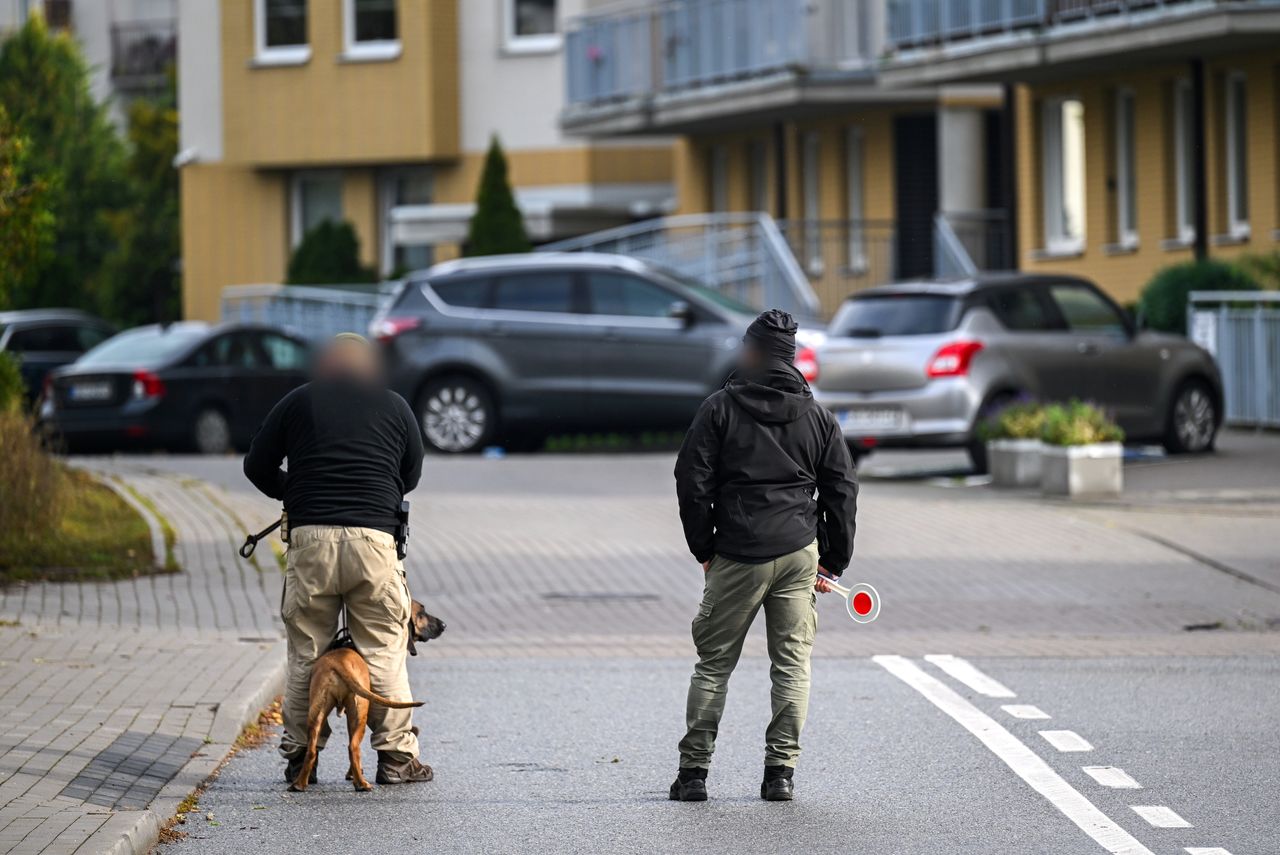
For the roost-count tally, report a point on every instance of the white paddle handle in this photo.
(836, 586)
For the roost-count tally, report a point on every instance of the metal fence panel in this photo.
(1242, 331)
(308, 311)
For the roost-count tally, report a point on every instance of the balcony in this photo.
(945, 41)
(142, 53)
(683, 65)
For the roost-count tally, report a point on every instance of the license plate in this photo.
(82, 392)
(872, 420)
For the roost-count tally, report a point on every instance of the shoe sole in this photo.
(674, 796)
(787, 797)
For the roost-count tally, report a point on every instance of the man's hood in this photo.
(777, 394)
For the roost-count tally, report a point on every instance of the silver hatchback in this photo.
(920, 364)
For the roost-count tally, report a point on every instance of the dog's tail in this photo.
(378, 699)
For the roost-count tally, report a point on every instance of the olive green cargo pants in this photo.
(732, 596)
(328, 565)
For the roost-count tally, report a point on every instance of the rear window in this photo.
(463, 293)
(896, 314)
(147, 346)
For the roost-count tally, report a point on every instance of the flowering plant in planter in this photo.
(1082, 451)
(1013, 442)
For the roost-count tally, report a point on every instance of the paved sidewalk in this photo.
(118, 698)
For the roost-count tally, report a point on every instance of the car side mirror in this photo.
(681, 311)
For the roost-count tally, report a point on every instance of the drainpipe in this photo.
(1009, 180)
(780, 170)
(1200, 152)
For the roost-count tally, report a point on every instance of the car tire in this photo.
(1191, 426)
(211, 432)
(977, 447)
(457, 415)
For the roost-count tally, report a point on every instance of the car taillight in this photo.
(147, 385)
(388, 328)
(807, 364)
(952, 360)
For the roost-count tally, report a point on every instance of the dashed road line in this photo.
(1066, 740)
(1160, 816)
(1024, 762)
(1024, 711)
(1110, 776)
(961, 670)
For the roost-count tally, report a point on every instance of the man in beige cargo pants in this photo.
(746, 478)
(354, 450)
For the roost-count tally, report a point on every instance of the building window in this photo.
(280, 28)
(1126, 171)
(810, 153)
(401, 189)
(371, 29)
(718, 178)
(758, 164)
(1062, 141)
(853, 189)
(531, 25)
(1184, 164)
(1237, 149)
(317, 196)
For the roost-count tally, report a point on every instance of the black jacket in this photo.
(748, 469)
(353, 451)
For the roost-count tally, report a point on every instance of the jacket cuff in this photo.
(705, 556)
(833, 565)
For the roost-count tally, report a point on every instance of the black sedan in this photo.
(184, 386)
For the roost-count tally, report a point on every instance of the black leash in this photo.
(251, 542)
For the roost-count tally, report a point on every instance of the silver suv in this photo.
(920, 364)
(512, 348)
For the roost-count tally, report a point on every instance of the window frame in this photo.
(1237, 172)
(296, 230)
(1053, 175)
(855, 160)
(374, 50)
(387, 203)
(1125, 117)
(264, 54)
(530, 44)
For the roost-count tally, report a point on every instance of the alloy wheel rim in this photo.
(212, 434)
(1193, 419)
(454, 419)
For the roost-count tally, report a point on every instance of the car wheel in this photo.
(457, 415)
(1193, 419)
(977, 447)
(211, 433)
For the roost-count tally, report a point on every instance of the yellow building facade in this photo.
(382, 122)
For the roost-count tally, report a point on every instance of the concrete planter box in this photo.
(1082, 470)
(1014, 462)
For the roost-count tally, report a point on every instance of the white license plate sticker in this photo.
(90, 391)
(872, 420)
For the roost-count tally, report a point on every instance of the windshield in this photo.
(146, 346)
(713, 295)
(896, 314)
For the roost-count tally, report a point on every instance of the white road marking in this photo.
(1024, 711)
(961, 670)
(1110, 776)
(1160, 816)
(1024, 762)
(1206, 850)
(1066, 740)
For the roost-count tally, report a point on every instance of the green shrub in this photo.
(1264, 268)
(329, 254)
(1077, 423)
(30, 482)
(12, 388)
(497, 227)
(1164, 300)
(1021, 420)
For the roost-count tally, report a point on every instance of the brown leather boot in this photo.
(394, 768)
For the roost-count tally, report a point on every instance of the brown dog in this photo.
(340, 679)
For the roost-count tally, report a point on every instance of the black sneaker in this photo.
(777, 785)
(394, 769)
(294, 766)
(691, 790)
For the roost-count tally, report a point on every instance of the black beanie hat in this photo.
(774, 334)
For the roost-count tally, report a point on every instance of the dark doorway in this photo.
(915, 158)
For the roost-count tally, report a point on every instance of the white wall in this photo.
(200, 79)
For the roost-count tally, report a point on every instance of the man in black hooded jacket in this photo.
(746, 478)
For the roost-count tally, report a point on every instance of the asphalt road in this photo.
(552, 718)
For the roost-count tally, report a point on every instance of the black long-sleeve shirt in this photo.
(354, 451)
(748, 470)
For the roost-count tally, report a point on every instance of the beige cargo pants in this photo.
(327, 566)
(733, 595)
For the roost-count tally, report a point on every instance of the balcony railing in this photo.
(142, 53)
(920, 23)
(685, 45)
